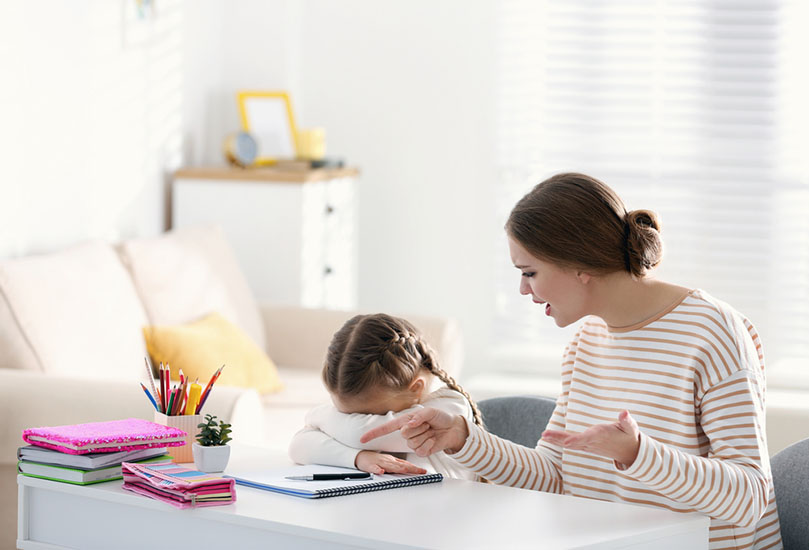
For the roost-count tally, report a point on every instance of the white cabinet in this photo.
(294, 233)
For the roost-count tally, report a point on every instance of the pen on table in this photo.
(327, 477)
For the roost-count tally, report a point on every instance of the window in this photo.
(693, 109)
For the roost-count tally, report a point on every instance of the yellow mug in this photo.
(312, 144)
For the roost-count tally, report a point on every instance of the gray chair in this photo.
(520, 418)
(790, 473)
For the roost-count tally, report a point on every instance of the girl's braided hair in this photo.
(380, 350)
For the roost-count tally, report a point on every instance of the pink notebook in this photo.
(105, 437)
(177, 485)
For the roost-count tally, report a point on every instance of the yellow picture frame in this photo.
(267, 116)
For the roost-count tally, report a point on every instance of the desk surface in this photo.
(453, 514)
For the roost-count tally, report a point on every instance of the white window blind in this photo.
(693, 109)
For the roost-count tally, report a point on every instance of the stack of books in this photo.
(82, 469)
(94, 452)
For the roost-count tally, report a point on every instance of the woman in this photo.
(662, 397)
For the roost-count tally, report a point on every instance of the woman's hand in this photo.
(619, 441)
(427, 431)
(381, 463)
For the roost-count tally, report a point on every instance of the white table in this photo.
(453, 514)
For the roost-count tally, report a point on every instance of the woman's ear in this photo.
(583, 277)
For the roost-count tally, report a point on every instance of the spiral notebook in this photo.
(275, 480)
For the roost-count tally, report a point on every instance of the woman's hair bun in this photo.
(644, 247)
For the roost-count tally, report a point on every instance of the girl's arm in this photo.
(347, 428)
(311, 446)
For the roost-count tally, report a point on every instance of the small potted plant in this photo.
(211, 452)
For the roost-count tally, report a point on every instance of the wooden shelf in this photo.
(268, 173)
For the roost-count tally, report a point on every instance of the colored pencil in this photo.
(207, 389)
(170, 408)
(167, 385)
(212, 381)
(149, 395)
(161, 373)
(183, 397)
(150, 376)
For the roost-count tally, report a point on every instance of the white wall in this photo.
(91, 120)
(99, 107)
(231, 46)
(405, 91)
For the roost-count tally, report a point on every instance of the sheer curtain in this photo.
(694, 109)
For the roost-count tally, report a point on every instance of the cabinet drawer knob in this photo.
(329, 209)
(328, 270)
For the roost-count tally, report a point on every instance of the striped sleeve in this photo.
(506, 463)
(733, 482)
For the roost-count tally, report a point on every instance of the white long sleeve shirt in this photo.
(333, 438)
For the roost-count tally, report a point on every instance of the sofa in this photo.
(72, 348)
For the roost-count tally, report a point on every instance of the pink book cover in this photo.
(105, 437)
(177, 485)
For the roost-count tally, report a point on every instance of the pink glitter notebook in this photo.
(105, 437)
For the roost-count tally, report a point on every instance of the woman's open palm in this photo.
(618, 441)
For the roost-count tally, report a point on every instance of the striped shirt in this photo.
(692, 377)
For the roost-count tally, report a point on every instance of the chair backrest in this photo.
(790, 472)
(519, 418)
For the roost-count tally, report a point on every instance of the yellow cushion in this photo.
(202, 346)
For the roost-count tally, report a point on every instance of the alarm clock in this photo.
(241, 149)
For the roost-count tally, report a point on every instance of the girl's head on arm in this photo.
(576, 221)
(379, 363)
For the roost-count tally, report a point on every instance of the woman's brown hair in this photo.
(576, 221)
(380, 350)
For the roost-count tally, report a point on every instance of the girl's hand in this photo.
(381, 463)
(619, 441)
(427, 431)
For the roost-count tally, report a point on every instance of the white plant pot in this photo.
(210, 459)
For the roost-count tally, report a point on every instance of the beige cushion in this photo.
(302, 388)
(72, 312)
(188, 273)
(17, 352)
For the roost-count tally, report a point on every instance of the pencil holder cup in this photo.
(187, 423)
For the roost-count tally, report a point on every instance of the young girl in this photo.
(377, 368)
(662, 399)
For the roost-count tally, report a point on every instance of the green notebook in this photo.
(77, 476)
